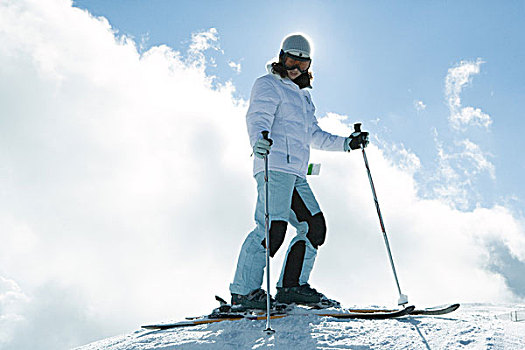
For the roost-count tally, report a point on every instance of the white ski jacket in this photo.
(279, 106)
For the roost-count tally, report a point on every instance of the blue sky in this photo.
(373, 60)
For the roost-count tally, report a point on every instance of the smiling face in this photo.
(294, 65)
(294, 73)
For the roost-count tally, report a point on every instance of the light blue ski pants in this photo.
(282, 187)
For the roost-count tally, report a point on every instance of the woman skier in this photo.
(281, 104)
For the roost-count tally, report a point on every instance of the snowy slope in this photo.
(473, 326)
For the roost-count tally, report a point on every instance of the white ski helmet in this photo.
(296, 45)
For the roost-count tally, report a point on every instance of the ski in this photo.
(371, 314)
(218, 316)
(436, 310)
(429, 311)
(227, 312)
(208, 320)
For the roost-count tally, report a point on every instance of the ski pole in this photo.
(403, 299)
(268, 329)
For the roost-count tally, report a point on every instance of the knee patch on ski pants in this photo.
(316, 230)
(277, 233)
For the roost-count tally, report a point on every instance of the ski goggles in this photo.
(290, 62)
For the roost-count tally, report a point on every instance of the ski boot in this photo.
(304, 295)
(256, 299)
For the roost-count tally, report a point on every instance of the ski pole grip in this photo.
(357, 127)
(265, 136)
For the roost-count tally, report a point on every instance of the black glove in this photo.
(356, 139)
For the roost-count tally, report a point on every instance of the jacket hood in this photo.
(269, 70)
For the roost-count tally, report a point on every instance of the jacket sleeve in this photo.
(264, 101)
(325, 141)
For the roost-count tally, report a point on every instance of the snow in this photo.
(473, 326)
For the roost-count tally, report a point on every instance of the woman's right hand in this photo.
(262, 147)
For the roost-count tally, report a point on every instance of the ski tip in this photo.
(150, 327)
(409, 309)
(436, 310)
(220, 300)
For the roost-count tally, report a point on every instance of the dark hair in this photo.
(302, 81)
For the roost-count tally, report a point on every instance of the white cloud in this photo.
(457, 78)
(431, 240)
(205, 40)
(433, 244)
(419, 105)
(126, 191)
(470, 115)
(477, 158)
(12, 300)
(117, 169)
(235, 66)
(461, 162)
(460, 165)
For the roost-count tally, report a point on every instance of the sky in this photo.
(373, 61)
(125, 170)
